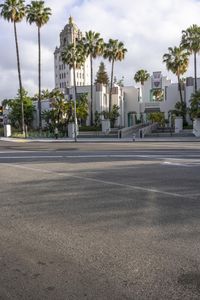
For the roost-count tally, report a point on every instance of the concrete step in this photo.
(94, 134)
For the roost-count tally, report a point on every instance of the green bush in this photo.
(188, 127)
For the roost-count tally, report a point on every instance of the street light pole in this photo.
(75, 122)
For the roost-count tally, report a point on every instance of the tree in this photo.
(141, 76)
(94, 47)
(14, 11)
(191, 42)
(102, 76)
(15, 107)
(195, 105)
(177, 60)
(157, 117)
(61, 112)
(39, 14)
(57, 116)
(113, 115)
(97, 119)
(180, 110)
(58, 105)
(82, 108)
(114, 51)
(74, 56)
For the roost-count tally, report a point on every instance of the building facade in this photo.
(63, 74)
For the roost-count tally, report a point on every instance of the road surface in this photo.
(99, 221)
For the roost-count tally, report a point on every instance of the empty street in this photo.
(100, 220)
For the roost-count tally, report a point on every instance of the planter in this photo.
(196, 127)
(105, 126)
(7, 130)
(71, 130)
(178, 124)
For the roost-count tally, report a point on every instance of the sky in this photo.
(147, 28)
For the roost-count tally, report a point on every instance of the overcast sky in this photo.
(146, 27)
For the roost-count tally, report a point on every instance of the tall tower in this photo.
(63, 75)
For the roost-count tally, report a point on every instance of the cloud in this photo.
(147, 29)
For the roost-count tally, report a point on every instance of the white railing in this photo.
(148, 129)
(129, 131)
(141, 130)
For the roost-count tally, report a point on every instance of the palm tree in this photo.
(177, 61)
(94, 47)
(39, 14)
(191, 42)
(141, 76)
(195, 105)
(74, 56)
(14, 11)
(114, 51)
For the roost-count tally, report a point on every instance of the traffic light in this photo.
(1, 110)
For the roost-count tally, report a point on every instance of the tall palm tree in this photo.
(94, 47)
(177, 60)
(191, 42)
(39, 14)
(14, 11)
(114, 51)
(74, 56)
(141, 76)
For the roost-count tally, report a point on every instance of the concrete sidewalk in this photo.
(102, 140)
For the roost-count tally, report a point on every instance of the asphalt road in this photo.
(99, 221)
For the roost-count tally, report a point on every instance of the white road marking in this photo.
(133, 187)
(182, 162)
(31, 157)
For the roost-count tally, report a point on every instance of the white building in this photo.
(133, 106)
(158, 94)
(63, 75)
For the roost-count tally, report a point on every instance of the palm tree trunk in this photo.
(20, 80)
(39, 81)
(111, 85)
(91, 105)
(195, 72)
(180, 90)
(75, 95)
(181, 98)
